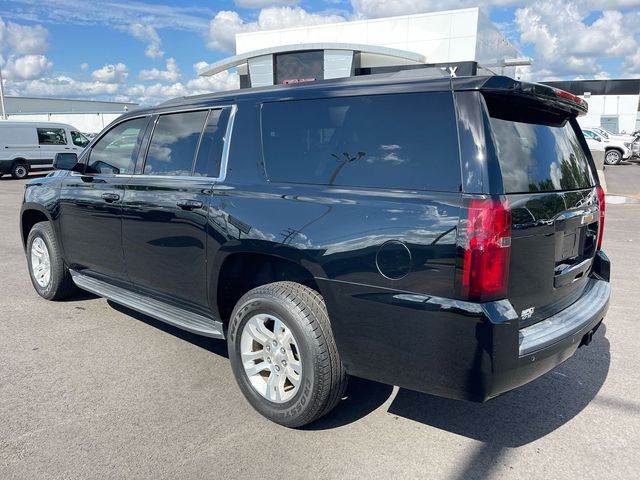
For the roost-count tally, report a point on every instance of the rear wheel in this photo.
(49, 276)
(612, 157)
(19, 170)
(283, 354)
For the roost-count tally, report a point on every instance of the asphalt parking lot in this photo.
(89, 389)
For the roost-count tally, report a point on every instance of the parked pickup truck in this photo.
(440, 234)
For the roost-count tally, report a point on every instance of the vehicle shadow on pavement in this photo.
(523, 415)
(518, 417)
(218, 347)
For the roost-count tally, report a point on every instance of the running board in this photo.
(175, 316)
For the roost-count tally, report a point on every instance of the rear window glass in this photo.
(538, 157)
(403, 141)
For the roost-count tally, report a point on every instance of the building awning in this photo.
(236, 60)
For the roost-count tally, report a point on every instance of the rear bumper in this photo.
(453, 348)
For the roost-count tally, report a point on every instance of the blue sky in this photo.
(149, 51)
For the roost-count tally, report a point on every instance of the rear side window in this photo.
(51, 136)
(173, 143)
(403, 141)
(537, 155)
(210, 150)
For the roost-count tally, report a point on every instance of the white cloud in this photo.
(148, 35)
(84, 67)
(565, 45)
(111, 73)
(27, 67)
(171, 74)
(226, 24)
(23, 39)
(61, 86)
(264, 3)
(388, 8)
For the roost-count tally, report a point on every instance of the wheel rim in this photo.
(271, 358)
(612, 157)
(21, 171)
(40, 262)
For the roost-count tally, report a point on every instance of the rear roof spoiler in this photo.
(553, 97)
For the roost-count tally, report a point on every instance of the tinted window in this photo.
(115, 152)
(173, 144)
(78, 139)
(536, 157)
(51, 136)
(211, 145)
(406, 141)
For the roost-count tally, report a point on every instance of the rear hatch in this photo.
(548, 180)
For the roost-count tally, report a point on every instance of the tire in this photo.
(58, 284)
(319, 373)
(19, 170)
(612, 157)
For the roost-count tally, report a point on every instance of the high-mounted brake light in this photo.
(486, 249)
(571, 97)
(602, 207)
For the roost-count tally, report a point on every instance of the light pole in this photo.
(4, 111)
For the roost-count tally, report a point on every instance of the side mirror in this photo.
(65, 161)
(597, 138)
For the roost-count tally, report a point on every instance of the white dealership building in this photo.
(460, 41)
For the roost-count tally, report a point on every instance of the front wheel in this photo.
(49, 276)
(612, 157)
(283, 353)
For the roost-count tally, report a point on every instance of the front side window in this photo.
(116, 151)
(174, 143)
(78, 139)
(400, 141)
(51, 136)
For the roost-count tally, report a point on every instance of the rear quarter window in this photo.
(403, 141)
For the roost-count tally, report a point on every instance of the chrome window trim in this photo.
(225, 148)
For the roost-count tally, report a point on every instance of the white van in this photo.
(26, 146)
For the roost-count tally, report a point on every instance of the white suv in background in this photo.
(616, 149)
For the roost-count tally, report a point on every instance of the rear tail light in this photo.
(485, 241)
(601, 224)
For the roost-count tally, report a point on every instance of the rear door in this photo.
(547, 176)
(166, 207)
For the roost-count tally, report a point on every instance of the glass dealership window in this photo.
(299, 66)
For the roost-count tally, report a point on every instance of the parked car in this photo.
(596, 147)
(632, 141)
(440, 234)
(616, 150)
(26, 146)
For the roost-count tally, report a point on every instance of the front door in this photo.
(165, 208)
(91, 202)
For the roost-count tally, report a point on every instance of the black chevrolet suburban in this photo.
(440, 234)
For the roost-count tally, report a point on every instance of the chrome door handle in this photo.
(110, 197)
(189, 204)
